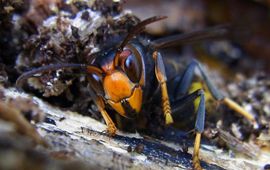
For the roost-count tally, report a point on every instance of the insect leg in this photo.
(186, 80)
(200, 119)
(162, 78)
(181, 103)
(199, 128)
(111, 128)
(187, 77)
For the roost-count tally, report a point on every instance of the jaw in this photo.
(130, 106)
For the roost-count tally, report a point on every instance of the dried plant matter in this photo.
(70, 33)
(22, 125)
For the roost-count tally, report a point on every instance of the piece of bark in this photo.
(76, 137)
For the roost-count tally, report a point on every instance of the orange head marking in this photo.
(122, 94)
(117, 86)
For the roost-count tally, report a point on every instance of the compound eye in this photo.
(96, 83)
(132, 68)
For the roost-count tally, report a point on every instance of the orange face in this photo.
(120, 82)
(123, 95)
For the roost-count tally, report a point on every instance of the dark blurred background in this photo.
(183, 16)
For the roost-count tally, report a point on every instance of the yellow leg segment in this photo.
(236, 107)
(166, 104)
(111, 129)
(161, 77)
(196, 159)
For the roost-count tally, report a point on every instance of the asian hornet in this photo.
(125, 76)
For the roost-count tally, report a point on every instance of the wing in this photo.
(214, 33)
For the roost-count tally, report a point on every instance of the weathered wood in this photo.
(75, 137)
